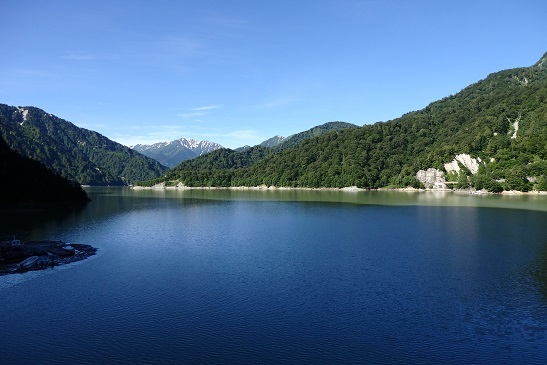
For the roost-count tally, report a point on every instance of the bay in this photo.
(259, 276)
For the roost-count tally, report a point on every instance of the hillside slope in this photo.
(76, 153)
(199, 169)
(26, 180)
(502, 120)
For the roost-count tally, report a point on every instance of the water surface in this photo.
(284, 277)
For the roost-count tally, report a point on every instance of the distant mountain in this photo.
(281, 143)
(227, 159)
(241, 149)
(26, 180)
(172, 153)
(75, 153)
(273, 142)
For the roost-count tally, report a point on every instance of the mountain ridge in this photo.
(76, 153)
(174, 152)
(226, 159)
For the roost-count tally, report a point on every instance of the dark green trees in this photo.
(76, 153)
(502, 120)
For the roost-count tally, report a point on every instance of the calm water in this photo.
(283, 277)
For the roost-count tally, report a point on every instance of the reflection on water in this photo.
(25, 223)
(373, 197)
(540, 271)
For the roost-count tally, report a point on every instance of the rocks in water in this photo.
(40, 255)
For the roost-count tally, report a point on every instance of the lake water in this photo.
(208, 277)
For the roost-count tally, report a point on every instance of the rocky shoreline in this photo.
(163, 186)
(18, 257)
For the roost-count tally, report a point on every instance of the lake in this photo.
(313, 277)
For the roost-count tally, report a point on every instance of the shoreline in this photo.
(181, 187)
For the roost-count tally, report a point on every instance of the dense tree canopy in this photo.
(76, 153)
(502, 120)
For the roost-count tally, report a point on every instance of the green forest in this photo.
(481, 120)
(72, 152)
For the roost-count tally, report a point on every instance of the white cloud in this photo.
(198, 111)
(191, 114)
(207, 107)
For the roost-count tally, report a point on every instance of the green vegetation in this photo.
(26, 180)
(296, 139)
(75, 153)
(481, 121)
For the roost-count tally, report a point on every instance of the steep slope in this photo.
(76, 153)
(172, 153)
(226, 159)
(502, 120)
(481, 121)
(26, 180)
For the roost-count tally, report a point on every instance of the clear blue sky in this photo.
(239, 72)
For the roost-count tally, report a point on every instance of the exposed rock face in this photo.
(431, 178)
(469, 162)
(515, 127)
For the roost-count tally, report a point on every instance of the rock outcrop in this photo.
(472, 164)
(432, 178)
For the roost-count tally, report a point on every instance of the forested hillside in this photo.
(317, 131)
(26, 180)
(75, 153)
(502, 120)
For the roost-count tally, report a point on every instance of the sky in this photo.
(239, 72)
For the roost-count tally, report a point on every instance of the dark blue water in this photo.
(185, 280)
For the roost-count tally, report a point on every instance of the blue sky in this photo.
(239, 72)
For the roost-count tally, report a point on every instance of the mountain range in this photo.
(172, 153)
(499, 123)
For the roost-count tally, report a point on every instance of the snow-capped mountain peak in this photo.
(173, 153)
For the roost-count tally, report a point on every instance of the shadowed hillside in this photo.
(26, 180)
(76, 153)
